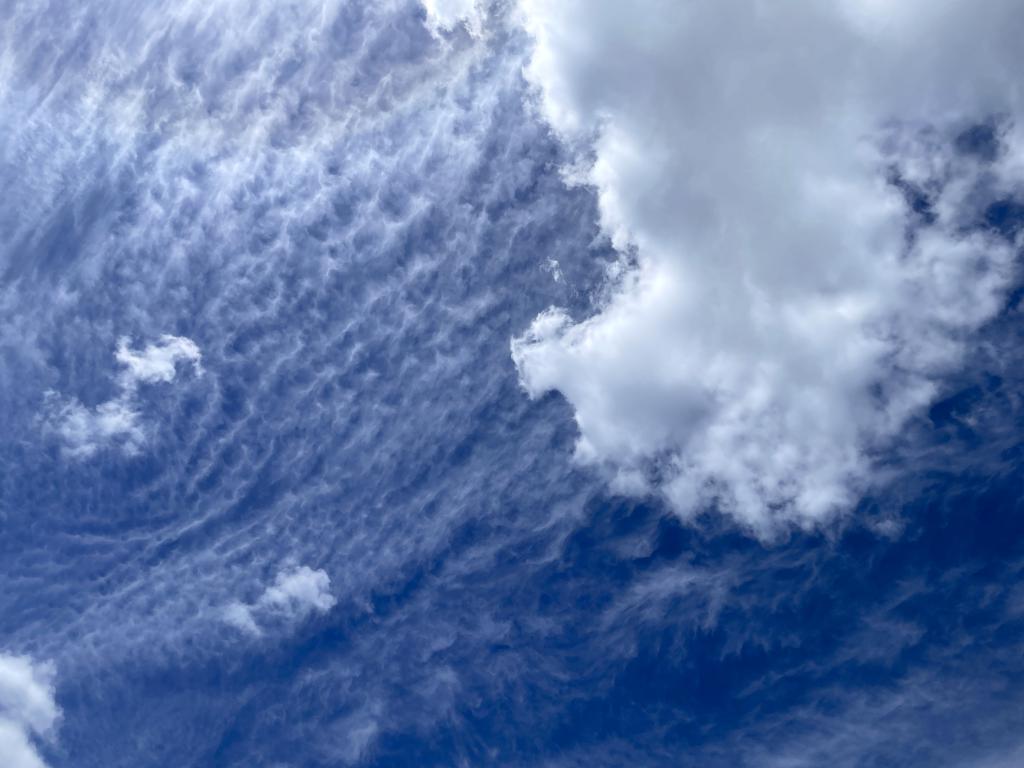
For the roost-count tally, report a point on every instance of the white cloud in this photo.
(157, 362)
(393, 117)
(447, 14)
(295, 593)
(84, 431)
(240, 615)
(27, 709)
(778, 324)
(301, 588)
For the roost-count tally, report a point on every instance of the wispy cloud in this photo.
(118, 422)
(353, 217)
(445, 14)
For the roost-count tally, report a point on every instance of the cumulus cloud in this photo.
(295, 593)
(28, 710)
(799, 264)
(118, 421)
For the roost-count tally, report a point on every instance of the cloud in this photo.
(295, 593)
(301, 588)
(157, 362)
(84, 431)
(27, 709)
(315, 238)
(443, 15)
(800, 262)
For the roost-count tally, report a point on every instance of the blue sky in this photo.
(520, 384)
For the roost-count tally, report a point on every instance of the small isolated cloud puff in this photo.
(785, 306)
(27, 710)
(84, 431)
(294, 594)
(157, 362)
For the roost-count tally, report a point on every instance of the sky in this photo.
(526, 383)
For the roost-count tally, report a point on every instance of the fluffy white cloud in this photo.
(301, 588)
(295, 593)
(157, 362)
(780, 310)
(84, 431)
(27, 710)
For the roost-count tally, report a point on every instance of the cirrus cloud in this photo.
(83, 431)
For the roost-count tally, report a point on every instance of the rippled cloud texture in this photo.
(84, 431)
(276, 491)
